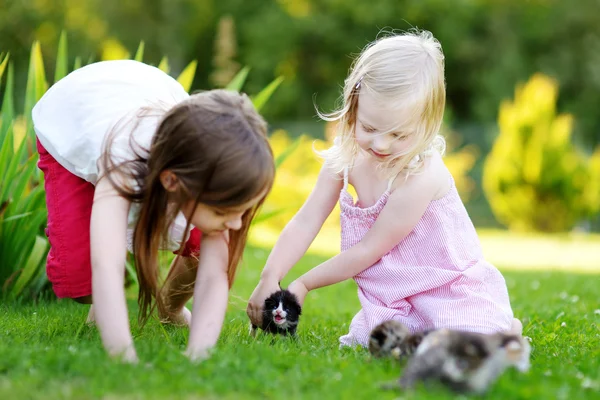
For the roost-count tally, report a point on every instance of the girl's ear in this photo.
(169, 181)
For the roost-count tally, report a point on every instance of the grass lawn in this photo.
(46, 352)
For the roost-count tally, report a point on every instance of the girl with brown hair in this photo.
(132, 162)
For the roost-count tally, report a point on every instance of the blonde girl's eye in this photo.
(220, 213)
(368, 129)
(400, 136)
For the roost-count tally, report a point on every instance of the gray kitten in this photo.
(392, 338)
(465, 361)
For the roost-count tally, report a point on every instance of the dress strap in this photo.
(391, 182)
(345, 177)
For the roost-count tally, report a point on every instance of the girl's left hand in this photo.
(197, 355)
(299, 289)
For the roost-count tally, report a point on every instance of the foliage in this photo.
(534, 177)
(489, 45)
(22, 201)
(46, 348)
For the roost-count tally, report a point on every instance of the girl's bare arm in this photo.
(210, 296)
(295, 239)
(404, 209)
(300, 232)
(108, 240)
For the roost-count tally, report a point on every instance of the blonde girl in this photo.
(407, 241)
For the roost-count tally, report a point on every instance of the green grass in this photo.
(46, 351)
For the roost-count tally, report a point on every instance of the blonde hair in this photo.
(400, 71)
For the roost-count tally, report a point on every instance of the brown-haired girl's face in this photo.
(210, 219)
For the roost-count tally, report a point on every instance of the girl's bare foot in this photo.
(516, 327)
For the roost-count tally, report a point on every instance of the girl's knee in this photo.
(516, 327)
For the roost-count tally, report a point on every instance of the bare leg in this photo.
(91, 318)
(178, 290)
(87, 300)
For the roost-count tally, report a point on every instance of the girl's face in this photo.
(371, 121)
(211, 219)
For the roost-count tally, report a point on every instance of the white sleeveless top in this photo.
(77, 113)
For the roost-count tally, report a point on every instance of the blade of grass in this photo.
(186, 77)
(164, 65)
(238, 80)
(139, 54)
(3, 65)
(263, 96)
(286, 153)
(32, 266)
(61, 58)
(77, 63)
(8, 106)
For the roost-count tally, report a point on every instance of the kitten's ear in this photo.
(297, 306)
(378, 336)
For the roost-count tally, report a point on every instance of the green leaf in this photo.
(187, 76)
(8, 105)
(22, 178)
(164, 65)
(3, 65)
(6, 156)
(61, 58)
(14, 177)
(131, 271)
(32, 265)
(77, 63)
(15, 217)
(238, 80)
(36, 83)
(264, 216)
(263, 96)
(286, 153)
(139, 54)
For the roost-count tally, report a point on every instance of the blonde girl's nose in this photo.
(381, 142)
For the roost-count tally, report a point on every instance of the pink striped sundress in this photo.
(436, 277)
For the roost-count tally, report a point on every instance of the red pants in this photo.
(69, 202)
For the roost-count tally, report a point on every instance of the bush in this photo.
(534, 178)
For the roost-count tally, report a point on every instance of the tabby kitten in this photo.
(465, 361)
(392, 338)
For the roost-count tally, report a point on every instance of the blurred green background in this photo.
(490, 45)
(523, 79)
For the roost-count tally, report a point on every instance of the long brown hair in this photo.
(216, 144)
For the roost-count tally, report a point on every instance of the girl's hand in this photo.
(299, 289)
(264, 289)
(127, 356)
(197, 355)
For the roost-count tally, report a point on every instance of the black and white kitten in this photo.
(281, 314)
(465, 361)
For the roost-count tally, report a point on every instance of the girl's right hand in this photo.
(128, 355)
(264, 289)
